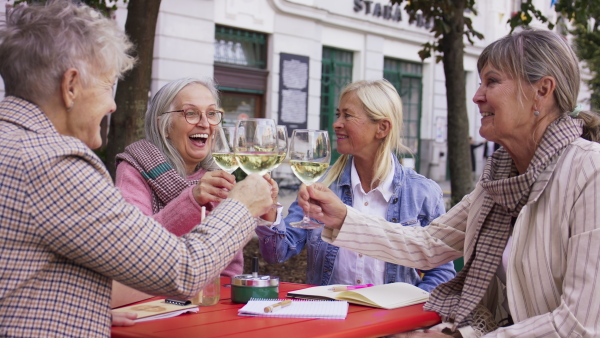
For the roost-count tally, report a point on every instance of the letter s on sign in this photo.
(358, 5)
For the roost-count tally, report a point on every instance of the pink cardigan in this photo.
(180, 216)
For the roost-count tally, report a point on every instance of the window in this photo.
(336, 73)
(240, 62)
(407, 78)
(240, 47)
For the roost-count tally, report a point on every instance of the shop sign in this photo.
(391, 12)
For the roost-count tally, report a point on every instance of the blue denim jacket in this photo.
(416, 201)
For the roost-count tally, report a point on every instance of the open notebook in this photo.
(386, 296)
(324, 309)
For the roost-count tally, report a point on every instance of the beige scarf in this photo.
(508, 192)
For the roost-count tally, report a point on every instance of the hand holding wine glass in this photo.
(310, 154)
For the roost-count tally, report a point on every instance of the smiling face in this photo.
(192, 140)
(506, 111)
(91, 105)
(355, 132)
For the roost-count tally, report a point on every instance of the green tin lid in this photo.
(255, 281)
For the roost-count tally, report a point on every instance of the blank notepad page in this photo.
(326, 309)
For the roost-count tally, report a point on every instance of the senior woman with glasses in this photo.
(65, 230)
(170, 175)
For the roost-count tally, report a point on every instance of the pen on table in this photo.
(177, 302)
(279, 305)
(349, 287)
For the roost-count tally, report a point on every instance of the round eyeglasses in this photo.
(193, 115)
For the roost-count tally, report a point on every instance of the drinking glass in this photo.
(256, 148)
(282, 144)
(255, 145)
(222, 148)
(310, 153)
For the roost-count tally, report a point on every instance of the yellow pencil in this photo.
(279, 305)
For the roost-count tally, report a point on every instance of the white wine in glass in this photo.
(255, 145)
(310, 154)
(222, 148)
(282, 144)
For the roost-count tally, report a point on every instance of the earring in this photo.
(536, 113)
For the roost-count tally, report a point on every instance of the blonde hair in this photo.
(380, 101)
(530, 55)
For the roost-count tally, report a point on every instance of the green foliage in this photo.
(442, 14)
(587, 46)
(584, 16)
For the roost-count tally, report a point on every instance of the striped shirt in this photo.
(554, 264)
(65, 232)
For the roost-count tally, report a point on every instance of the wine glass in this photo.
(310, 154)
(256, 148)
(255, 145)
(282, 144)
(222, 148)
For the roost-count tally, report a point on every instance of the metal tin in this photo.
(244, 287)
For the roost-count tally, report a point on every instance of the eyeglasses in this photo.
(193, 115)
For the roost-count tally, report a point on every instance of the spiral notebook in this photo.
(324, 309)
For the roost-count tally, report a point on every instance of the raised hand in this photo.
(214, 186)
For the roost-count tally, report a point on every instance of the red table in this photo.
(222, 320)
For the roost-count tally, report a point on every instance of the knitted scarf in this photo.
(507, 193)
(165, 182)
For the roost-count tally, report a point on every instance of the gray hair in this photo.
(380, 101)
(157, 129)
(529, 55)
(39, 43)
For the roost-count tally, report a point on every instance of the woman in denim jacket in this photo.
(368, 177)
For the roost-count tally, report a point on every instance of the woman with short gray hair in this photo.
(66, 231)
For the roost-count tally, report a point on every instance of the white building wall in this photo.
(184, 46)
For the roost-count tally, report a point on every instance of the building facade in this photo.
(289, 59)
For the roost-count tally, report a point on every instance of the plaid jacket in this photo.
(65, 232)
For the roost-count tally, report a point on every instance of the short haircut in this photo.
(39, 43)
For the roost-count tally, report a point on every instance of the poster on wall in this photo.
(293, 91)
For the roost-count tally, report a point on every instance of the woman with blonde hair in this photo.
(369, 177)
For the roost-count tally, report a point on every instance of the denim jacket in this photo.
(416, 202)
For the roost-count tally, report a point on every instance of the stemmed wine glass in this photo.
(310, 153)
(256, 148)
(255, 145)
(222, 148)
(282, 145)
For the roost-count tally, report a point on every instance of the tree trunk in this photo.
(127, 123)
(461, 181)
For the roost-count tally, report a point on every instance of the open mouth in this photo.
(341, 137)
(199, 139)
(486, 114)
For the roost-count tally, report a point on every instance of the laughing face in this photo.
(192, 140)
(506, 112)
